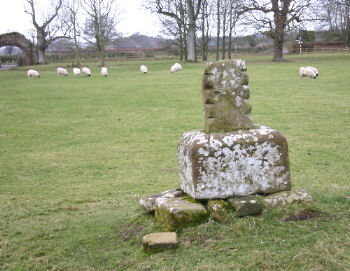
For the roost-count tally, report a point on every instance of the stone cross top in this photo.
(226, 97)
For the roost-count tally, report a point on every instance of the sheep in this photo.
(76, 72)
(104, 71)
(143, 69)
(86, 71)
(306, 72)
(175, 68)
(33, 74)
(314, 69)
(62, 71)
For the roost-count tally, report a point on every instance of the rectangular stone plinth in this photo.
(240, 163)
(159, 241)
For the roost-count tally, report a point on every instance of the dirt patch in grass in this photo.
(303, 215)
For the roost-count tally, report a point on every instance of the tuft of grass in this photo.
(76, 155)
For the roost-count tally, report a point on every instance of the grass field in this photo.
(76, 155)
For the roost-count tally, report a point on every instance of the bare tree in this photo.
(173, 17)
(235, 11)
(205, 27)
(50, 30)
(224, 26)
(275, 17)
(71, 18)
(100, 26)
(185, 14)
(337, 15)
(193, 11)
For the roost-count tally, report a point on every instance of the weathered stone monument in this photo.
(232, 157)
(233, 165)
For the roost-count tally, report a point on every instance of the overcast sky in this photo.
(134, 18)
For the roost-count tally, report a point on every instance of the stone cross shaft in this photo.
(226, 97)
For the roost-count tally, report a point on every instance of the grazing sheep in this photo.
(86, 71)
(314, 69)
(33, 74)
(62, 71)
(306, 72)
(104, 71)
(76, 72)
(175, 68)
(143, 69)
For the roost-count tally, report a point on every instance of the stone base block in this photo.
(244, 206)
(149, 203)
(241, 163)
(176, 213)
(283, 198)
(155, 242)
(220, 211)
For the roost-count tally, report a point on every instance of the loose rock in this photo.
(149, 203)
(155, 242)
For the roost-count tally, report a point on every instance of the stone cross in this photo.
(226, 97)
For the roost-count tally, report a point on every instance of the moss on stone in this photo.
(220, 211)
(177, 213)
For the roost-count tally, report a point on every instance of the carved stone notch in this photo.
(226, 97)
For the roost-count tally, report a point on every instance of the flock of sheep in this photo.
(308, 71)
(104, 71)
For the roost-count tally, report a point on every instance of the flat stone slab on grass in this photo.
(282, 198)
(176, 213)
(149, 203)
(155, 242)
(240, 163)
(244, 206)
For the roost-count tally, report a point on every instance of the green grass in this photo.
(76, 154)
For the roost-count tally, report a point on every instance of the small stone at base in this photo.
(245, 206)
(280, 199)
(155, 242)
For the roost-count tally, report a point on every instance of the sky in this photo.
(134, 18)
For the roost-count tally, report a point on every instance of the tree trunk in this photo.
(278, 48)
(77, 58)
(224, 32)
(229, 45)
(41, 46)
(181, 43)
(185, 44)
(218, 30)
(278, 34)
(191, 34)
(41, 56)
(102, 58)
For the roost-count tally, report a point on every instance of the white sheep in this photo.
(314, 69)
(33, 74)
(76, 72)
(104, 71)
(62, 71)
(143, 69)
(86, 71)
(175, 68)
(306, 72)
